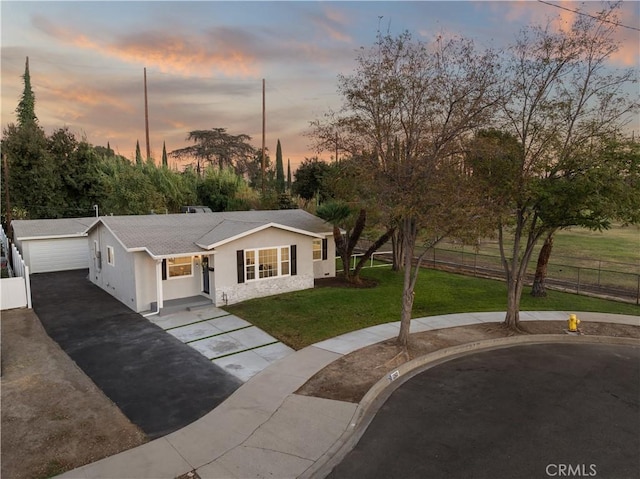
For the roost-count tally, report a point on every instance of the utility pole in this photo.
(263, 137)
(146, 114)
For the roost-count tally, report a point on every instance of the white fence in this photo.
(355, 257)
(4, 240)
(15, 291)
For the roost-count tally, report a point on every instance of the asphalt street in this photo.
(537, 411)
(158, 382)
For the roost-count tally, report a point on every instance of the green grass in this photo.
(615, 249)
(302, 318)
(616, 245)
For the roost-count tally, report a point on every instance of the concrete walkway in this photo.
(265, 430)
(230, 342)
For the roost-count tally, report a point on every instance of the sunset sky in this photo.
(206, 60)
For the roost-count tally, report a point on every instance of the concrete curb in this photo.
(382, 390)
(243, 436)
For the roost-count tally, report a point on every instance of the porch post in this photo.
(159, 296)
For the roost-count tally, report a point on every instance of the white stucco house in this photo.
(53, 244)
(146, 261)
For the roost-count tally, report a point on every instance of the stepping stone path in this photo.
(230, 342)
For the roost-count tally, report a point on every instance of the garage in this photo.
(53, 244)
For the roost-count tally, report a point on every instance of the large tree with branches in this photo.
(218, 148)
(607, 185)
(562, 99)
(411, 104)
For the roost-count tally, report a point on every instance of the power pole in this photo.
(263, 137)
(146, 114)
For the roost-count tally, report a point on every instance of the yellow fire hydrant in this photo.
(573, 323)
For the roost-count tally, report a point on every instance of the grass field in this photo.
(615, 249)
(305, 317)
(581, 259)
(616, 245)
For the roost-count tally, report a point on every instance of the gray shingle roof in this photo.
(176, 234)
(226, 229)
(50, 227)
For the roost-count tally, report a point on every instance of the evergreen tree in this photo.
(222, 190)
(309, 181)
(26, 107)
(217, 146)
(138, 154)
(165, 163)
(33, 181)
(288, 175)
(279, 169)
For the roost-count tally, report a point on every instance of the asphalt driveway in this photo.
(158, 382)
(555, 410)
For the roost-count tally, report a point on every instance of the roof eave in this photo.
(178, 255)
(45, 237)
(257, 230)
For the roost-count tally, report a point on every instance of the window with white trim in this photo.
(266, 263)
(317, 250)
(111, 257)
(179, 267)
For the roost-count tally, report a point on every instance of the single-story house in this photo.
(53, 244)
(228, 257)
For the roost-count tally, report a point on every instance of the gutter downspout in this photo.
(159, 297)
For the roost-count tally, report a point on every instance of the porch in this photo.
(190, 303)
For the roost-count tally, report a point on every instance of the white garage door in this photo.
(58, 254)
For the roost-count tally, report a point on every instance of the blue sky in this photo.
(206, 60)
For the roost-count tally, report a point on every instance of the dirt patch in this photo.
(338, 281)
(350, 377)
(54, 418)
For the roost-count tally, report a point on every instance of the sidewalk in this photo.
(264, 430)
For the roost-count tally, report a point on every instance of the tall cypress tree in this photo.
(165, 162)
(26, 107)
(138, 154)
(279, 169)
(288, 174)
(33, 181)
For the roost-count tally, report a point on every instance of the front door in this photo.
(205, 274)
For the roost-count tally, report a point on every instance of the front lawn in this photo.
(306, 317)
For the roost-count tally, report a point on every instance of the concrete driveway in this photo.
(158, 382)
(537, 411)
(230, 342)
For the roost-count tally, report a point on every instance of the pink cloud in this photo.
(334, 23)
(529, 12)
(183, 55)
(86, 96)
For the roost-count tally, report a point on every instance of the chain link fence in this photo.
(599, 278)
